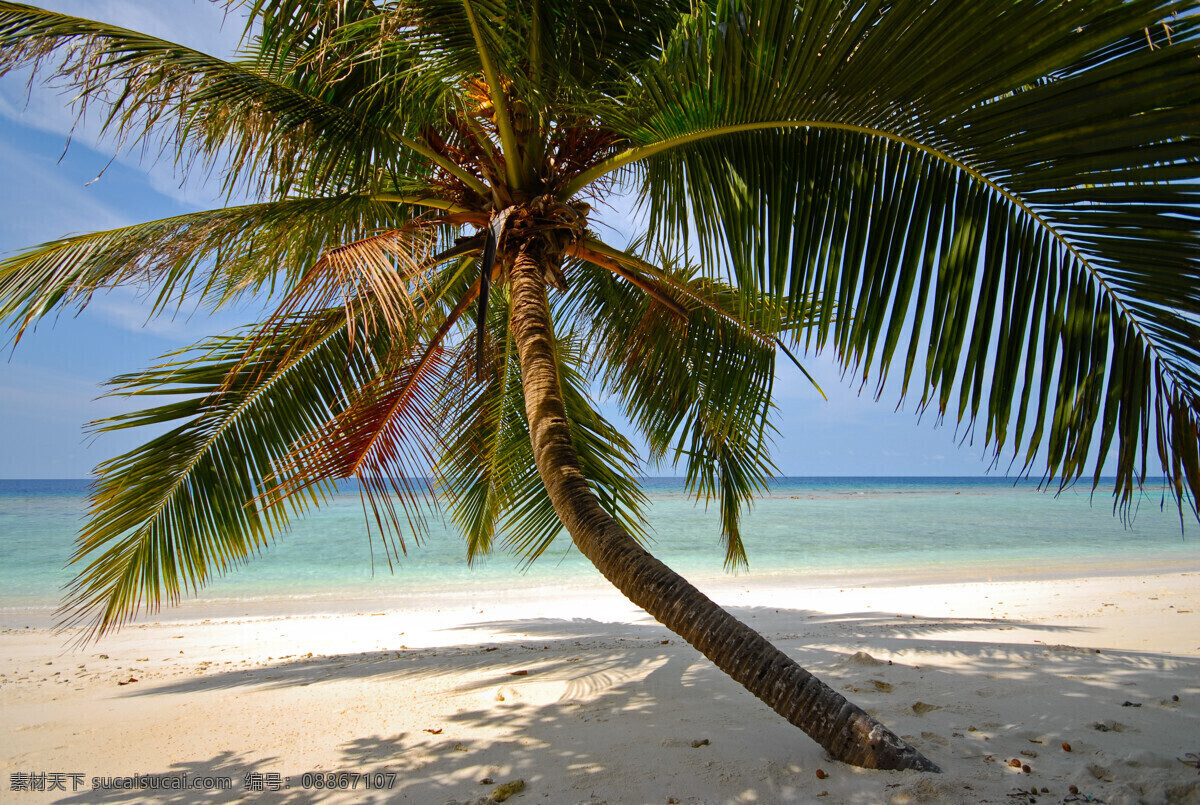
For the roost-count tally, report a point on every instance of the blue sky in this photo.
(50, 382)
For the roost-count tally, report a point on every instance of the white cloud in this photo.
(129, 309)
(199, 24)
(39, 203)
(203, 26)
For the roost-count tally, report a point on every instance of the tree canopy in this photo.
(986, 206)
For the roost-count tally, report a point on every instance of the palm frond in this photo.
(757, 315)
(699, 390)
(386, 437)
(378, 280)
(390, 432)
(1029, 213)
(487, 472)
(270, 131)
(627, 269)
(597, 46)
(215, 257)
(173, 512)
(487, 458)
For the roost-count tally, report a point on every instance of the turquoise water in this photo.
(808, 529)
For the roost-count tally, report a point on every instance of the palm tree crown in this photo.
(991, 203)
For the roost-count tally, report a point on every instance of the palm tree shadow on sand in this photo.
(893, 184)
(593, 691)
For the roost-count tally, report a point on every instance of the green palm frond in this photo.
(487, 41)
(487, 457)
(391, 431)
(487, 471)
(1016, 226)
(272, 130)
(370, 60)
(1006, 232)
(376, 60)
(293, 32)
(599, 45)
(569, 47)
(215, 257)
(699, 390)
(386, 438)
(173, 512)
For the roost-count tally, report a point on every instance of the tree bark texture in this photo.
(847, 732)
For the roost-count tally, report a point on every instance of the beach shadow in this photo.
(237, 777)
(225, 771)
(605, 705)
(593, 691)
(602, 645)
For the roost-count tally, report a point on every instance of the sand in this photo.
(587, 700)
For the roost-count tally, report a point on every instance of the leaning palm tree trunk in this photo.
(847, 732)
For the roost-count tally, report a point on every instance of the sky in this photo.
(52, 381)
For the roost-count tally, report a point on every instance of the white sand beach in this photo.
(587, 700)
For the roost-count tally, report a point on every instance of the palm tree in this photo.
(997, 198)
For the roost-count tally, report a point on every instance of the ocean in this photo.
(807, 531)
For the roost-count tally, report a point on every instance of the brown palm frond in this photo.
(382, 283)
(387, 269)
(386, 439)
(366, 440)
(580, 146)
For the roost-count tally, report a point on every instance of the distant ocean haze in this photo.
(808, 531)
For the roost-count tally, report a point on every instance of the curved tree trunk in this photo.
(845, 730)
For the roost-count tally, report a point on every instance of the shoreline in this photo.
(343, 602)
(974, 673)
